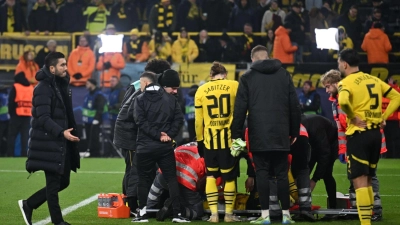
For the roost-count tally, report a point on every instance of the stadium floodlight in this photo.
(111, 43)
(327, 38)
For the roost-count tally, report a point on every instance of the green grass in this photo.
(90, 180)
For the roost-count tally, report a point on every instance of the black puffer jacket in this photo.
(267, 92)
(156, 111)
(52, 114)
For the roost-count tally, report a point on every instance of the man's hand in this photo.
(164, 137)
(249, 184)
(293, 140)
(69, 136)
(312, 185)
(383, 124)
(358, 122)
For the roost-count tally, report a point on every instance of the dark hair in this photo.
(350, 56)
(52, 59)
(149, 75)
(377, 25)
(354, 7)
(217, 68)
(258, 48)
(249, 25)
(157, 66)
(25, 55)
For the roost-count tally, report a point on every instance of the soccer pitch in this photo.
(105, 176)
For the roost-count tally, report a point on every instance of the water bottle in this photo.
(100, 198)
(106, 200)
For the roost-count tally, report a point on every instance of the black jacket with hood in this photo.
(156, 111)
(267, 93)
(12, 105)
(52, 113)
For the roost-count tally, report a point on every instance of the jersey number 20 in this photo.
(222, 103)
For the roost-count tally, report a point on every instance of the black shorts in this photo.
(220, 163)
(363, 150)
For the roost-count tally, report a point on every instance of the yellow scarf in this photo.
(193, 12)
(121, 13)
(249, 42)
(162, 21)
(36, 6)
(134, 46)
(352, 19)
(337, 8)
(10, 19)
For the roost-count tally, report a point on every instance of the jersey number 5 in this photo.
(221, 103)
(373, 96)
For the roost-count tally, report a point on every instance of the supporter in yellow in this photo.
(344, 42)
(109, 65)
(160, 47)
(96, 16)
(377, 45)
(184, 50)
(81, 63)
(360, 97)
(28, 66)
(135, 49)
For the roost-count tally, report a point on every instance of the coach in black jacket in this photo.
(323, 139)
(267, 93)
(52, 145)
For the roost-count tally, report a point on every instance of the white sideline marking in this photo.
(70, 209)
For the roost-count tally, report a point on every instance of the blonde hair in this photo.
(331, 77)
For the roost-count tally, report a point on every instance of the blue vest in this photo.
(4, 116)
(308, 101)
(88, 110)
(112, 101)
(189, 107)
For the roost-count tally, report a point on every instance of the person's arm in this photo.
(99, 103)
(118, 61)
(194, 51)
(12, 105)
(177, 122)
(139, 115)
(315, 104)
(241, 107)
(88, 70)
(99, 65)
(393, 95)
(295, 111)
(387, 45)
(199, 119)
(321, 147)
(142, 57)
(344, 100)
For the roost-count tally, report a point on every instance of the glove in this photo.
(77, 76)
(238, 146)
(200, 147)
(107, 65)
(95, 122)
(342, 158)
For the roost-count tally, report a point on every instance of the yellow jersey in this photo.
(365, 98)
(214, 104)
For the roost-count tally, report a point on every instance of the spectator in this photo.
(384, 7)
(135, 49)
(377, 45)
(344, 41)
(273, 18)
(328, 14)
(227, 50)
(81, 63)
(310, 101)
(208, 48)
(352, 24)
(283, 48)
(270, 42)
(159, 47)
(19, 108)
(163, 17)
(241, 14)
(4, 119)
(110, 64)
(96, 16)
(69, 17)
(313, 3)
(304, 14)
(28, 67)
(259, 12)
(42, 18)
(93, 111)
(41, 55)
(297, 36)
(216, 15)
(189, 111)
(317, 21)
(184, 49)
(124, 15)
(189, 15)
(12, 18)
(247, 42)
(340, 7)
(377, 18)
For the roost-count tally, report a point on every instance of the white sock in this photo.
(264, 213)
(286, 212)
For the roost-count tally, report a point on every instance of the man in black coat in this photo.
(298, 35)
(52, 145)
(267, 93)
(159, 119)
(18, 21)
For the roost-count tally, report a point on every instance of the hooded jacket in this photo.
(283, 48)
(117, 62)
(29, 69)
(52, 113)
(156, 111)
(377, 45)
(267, 93)
(184, 50)
(18, 79)
(81, 61)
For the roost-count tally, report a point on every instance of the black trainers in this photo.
(376, 217)
(180, 219)
(165, 211)
(26, 211)
(307, 215)
(142, 217)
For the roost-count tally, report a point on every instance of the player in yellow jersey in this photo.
(360, 97)
(214, 103)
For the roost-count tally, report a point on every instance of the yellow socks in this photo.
(212, 194)
(371, 196)
(364, 205)
(229, 195)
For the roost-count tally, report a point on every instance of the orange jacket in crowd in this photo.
(81, 61)
(377, 45)
(117, 63)
(283, 48)
(141, 57)
(29, 69)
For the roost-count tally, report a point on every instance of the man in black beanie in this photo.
(170, 81)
